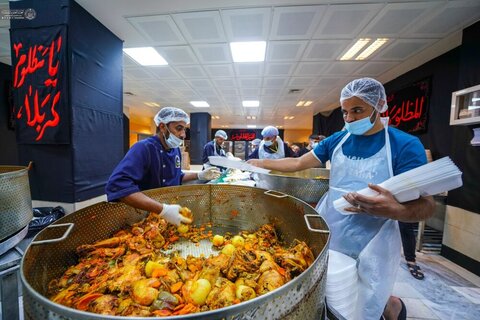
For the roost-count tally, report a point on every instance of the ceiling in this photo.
(304, 42)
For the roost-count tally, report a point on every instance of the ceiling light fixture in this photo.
(152, 104)
(251, 126)
(146, 56)
(290, 118)
(250, 103)
(200, 104)
(300, 103)
(215, 117)
(309, 102)
(251, 117)
(250, 51)
(372, 48)
(362, 42)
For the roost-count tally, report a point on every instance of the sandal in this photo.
(403, 313)
(415, 271)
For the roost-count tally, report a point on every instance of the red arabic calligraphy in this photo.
(407, 111)
(242, 136)
(39, 110)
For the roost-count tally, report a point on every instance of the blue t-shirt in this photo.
(147, 165)
(407, 151)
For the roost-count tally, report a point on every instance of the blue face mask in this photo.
(361, 126)
(173, 141)
(268, 143)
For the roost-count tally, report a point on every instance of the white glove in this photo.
(171, 213)
(209, 174)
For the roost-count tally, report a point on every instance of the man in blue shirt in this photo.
(271, 146)
(214, 148)
(367, 153)
(153, 163)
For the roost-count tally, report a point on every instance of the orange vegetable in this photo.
(173, 238)
(176, 286)
(159, 272)
(162, 313)
(84, 301)
(188, 308)
(281, 271)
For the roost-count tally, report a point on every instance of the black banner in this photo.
(40, 101)
(408, 107)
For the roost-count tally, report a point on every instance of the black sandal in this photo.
(415, 271)
(403, 313)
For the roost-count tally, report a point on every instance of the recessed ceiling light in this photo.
(372, 48)
(307, 103)
(250, 51)
(251, 126)
(224, 126)
(279, 126)
(250, 103)
(152, 104)
(146, 56)
(300, 103)
(200, 104)
(215, 117)
(290, 118)
(251, 117)
(355, 48)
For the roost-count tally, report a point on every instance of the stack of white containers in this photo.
(430, 179)
(342, 285)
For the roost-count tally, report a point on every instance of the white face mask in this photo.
(173, 141)
(268, 143)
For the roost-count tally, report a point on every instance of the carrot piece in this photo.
(173, 238)
(189, 308)
(176, 286)
(162, 313)
(178, 307)
(84, 301)
(282, 271)
(159, 272)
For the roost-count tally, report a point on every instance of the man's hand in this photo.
(384, 204)
(209, 174)
(256, 162)
(171, 213)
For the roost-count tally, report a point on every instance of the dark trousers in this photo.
(408, 239)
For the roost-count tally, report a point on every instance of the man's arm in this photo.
(306, 161)
(189, 176)
(141, 201)
(385, 205)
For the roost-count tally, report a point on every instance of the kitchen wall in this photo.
(8, 144)
(292, 136)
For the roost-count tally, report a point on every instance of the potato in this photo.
(238, 241)
(229, 249)
(217, 240)
(182, 228)
(245, 293)
(150, 266)
(239, 282)
(200, 290)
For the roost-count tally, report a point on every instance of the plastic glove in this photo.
(209, 174)
(171, 213)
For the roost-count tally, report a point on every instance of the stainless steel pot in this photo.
(302, 298)
(308, 185)
(15, 200)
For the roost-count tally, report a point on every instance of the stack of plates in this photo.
(342, 288)
(432, 178)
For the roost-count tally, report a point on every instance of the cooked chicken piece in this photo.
(144, 291)
(106, 304)
(269, 280)
(241, 261)
(222, 294)
(296, 259)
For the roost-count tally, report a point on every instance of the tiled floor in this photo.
(447, 292)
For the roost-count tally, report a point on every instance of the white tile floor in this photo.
(448, 291)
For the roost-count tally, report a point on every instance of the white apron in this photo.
(280, 154)
(373, 241)
(215, 153)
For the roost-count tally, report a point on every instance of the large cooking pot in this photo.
(301, 298)
(308, 185)
(15, 200)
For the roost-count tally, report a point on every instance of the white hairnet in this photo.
(221, 134)
(369, 90)
(269, 132)
(170, 114)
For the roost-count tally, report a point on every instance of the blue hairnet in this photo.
(221, 134)
(256, 142)
(269, 132)
(171, 114)
(369, 90)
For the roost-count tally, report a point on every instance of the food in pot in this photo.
(131, 274)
